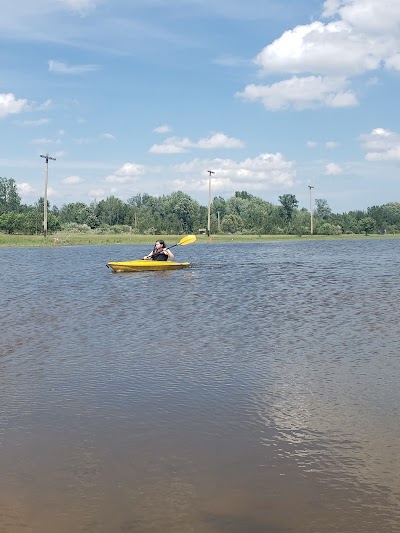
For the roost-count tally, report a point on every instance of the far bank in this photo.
(85, 239)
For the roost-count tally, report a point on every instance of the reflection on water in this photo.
(256, 391)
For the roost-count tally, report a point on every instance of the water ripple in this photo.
(216, 398)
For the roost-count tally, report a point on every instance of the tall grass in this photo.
(80, 239)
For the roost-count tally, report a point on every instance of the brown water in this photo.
(255, 392)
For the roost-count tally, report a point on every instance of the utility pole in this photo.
(209, 202)
(311, 210)
(46, 179)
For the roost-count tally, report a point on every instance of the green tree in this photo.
(75, 212)
(256, 215)
(219, 206)
(92, 221)
(300, 223)
(289, 204)
(185, 211)
(232, 224)
(327, 229)
(378, 214)
(181, 212)
(9, 222)
(30, 224)
(111, 211)
(243, 195)
(392, 213)
(236, 205)
(322, 209)
(10, 200)
(139, 200)
(367, 224)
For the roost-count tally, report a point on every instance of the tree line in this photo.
(178, 213)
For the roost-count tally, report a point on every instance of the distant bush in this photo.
(252, 231)
(74, 227)
(102, 229)
(276, 230)
(327, 229)
(150, 231)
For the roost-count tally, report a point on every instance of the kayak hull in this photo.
(142, 265)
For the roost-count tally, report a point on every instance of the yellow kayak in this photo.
(141, 265)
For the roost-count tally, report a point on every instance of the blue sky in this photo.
(134, 96)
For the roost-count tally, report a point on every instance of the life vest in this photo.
(159, 256)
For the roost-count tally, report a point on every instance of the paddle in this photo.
(189, 239)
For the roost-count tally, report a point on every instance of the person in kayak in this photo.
(159, 252)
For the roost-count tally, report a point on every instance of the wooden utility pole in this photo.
(209, 202)
(46, 179)
(311, 210)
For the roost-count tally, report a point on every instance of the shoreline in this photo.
(82, 239)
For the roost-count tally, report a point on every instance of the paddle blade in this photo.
(189, 239)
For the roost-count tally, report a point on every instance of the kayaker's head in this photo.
(160, 244)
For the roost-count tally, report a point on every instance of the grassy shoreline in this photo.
(84, 239)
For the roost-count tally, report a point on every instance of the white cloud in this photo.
(330, 8)
(311, 144)
(330, 145)
(162, 129)
(176, 145)
(335, 49)
(332, 169)
(9, 105)
(71, 180)
(81, 6)
(25, 188)
(97, 193)
(381, 132)
(218, 140)
(62, 68)
(127, 173)
(52, 193)
(172, 145)
(369, 16)
(393, 62)
(263, 172)
(301, 93)
(60, 153)
(343, 99)
(108, 136)
(381, 145)
(324, 57)
(230, 61)
(39, 122)
(390, 154)
(45, 141)
(47, 104)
